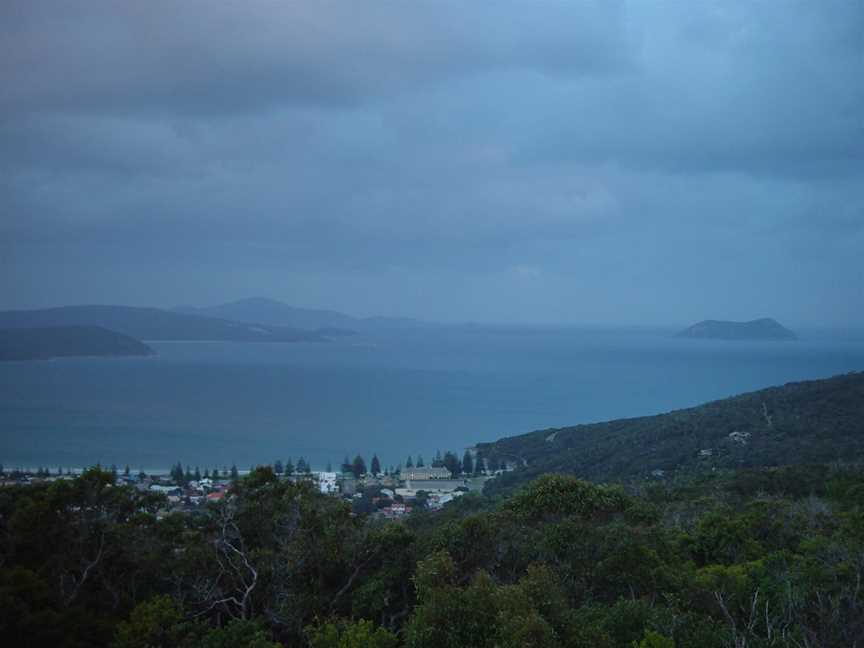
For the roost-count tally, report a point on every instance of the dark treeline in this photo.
(755, 558)
(470, 464)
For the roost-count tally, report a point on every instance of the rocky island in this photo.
(759, 329)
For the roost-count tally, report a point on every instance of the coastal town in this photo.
(391, 494)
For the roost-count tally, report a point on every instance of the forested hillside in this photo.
(813, 421)
(66, 341)
(754, 558)
(155, 324)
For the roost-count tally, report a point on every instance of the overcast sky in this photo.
(582, 162)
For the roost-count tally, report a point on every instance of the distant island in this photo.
(759, 329)
(157, 324)
(275, 313)
(67, 341)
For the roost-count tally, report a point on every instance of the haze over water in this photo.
(214, 404)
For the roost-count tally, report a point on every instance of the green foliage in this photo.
(239, 633)
(654, 640)
(434, 573)
(153, 624)
(358, 466)
(467, 463)
(450, 616)
(746, 558)
(158, 623)
(563, 495)
(814, 422)
(359, 634)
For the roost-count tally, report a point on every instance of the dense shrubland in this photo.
(752, 558)
(817, 421)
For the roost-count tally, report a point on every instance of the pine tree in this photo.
(438, 461)
(479, 468)
(452, 463)
(289, 467)
(329, 467)
(347, 465)
(197, 474)
(206, 473)
(234, 474)
(125, 471)
(358, 467)
(215, 473)
(376, 465)
(467, 463)
(278, 468)
(409, 463)
(419, 461)
(301, 466)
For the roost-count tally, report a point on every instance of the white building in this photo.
(327, 483)
(426, 473)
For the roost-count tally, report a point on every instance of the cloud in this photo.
(201, 57)
(639, 156)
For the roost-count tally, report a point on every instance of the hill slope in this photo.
(276, 313)
(65, 341)
(760, 329)
(269, 311)
(155, 324)
(814, 421)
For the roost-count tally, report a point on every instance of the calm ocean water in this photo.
(213, 404)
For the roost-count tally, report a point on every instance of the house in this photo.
(166, 490)
(328, 483)
(348, 483)
(438, 501)
(396, 510)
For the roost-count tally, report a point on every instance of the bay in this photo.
(392, 393)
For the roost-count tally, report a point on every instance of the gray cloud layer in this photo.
(583, 162)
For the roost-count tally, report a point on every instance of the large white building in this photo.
(327, 483)
(426, 473)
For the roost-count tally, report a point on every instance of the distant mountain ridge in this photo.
(276, 313)
(759, 329)
(67, 341)
(817, 421)
(155, 324)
